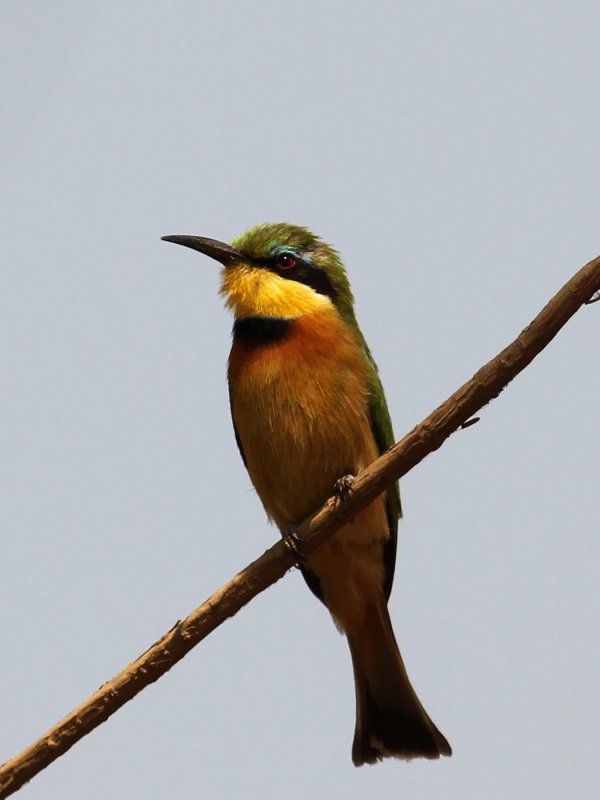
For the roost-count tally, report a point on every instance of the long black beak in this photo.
(220, 251)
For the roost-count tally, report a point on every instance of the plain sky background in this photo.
(451, 152)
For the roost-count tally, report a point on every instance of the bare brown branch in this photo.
(426, 437)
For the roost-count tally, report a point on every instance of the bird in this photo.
(308, 409)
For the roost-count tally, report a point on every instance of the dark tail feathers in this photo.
(390, 720)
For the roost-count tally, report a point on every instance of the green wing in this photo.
(381, 425)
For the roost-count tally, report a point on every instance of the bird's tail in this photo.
(390, 720)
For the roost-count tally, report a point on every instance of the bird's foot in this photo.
(343, 487)
(293, 544)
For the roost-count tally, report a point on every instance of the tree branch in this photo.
(426, 437)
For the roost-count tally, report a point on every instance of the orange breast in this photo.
(300, 408)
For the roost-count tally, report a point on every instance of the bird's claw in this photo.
(343, 487)
(294, 545)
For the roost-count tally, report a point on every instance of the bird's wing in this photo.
(381, 425)
(236, 434)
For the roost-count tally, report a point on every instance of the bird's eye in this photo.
(286, 261)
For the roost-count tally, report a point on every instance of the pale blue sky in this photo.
(450, 152)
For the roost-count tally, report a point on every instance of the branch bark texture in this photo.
(426, 437)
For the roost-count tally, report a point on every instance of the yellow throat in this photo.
(252, 292)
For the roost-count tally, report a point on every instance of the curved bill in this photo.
(220, 251)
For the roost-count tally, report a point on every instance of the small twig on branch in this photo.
(428, 436)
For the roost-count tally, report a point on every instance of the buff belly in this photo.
(300, 409)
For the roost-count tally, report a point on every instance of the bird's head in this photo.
(277, 270)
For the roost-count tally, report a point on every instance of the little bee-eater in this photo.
(308, 408)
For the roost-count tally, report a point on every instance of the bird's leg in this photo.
(341, 489)
(293, 544)
(343, 486)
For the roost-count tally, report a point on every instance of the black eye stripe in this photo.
(302, 272)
